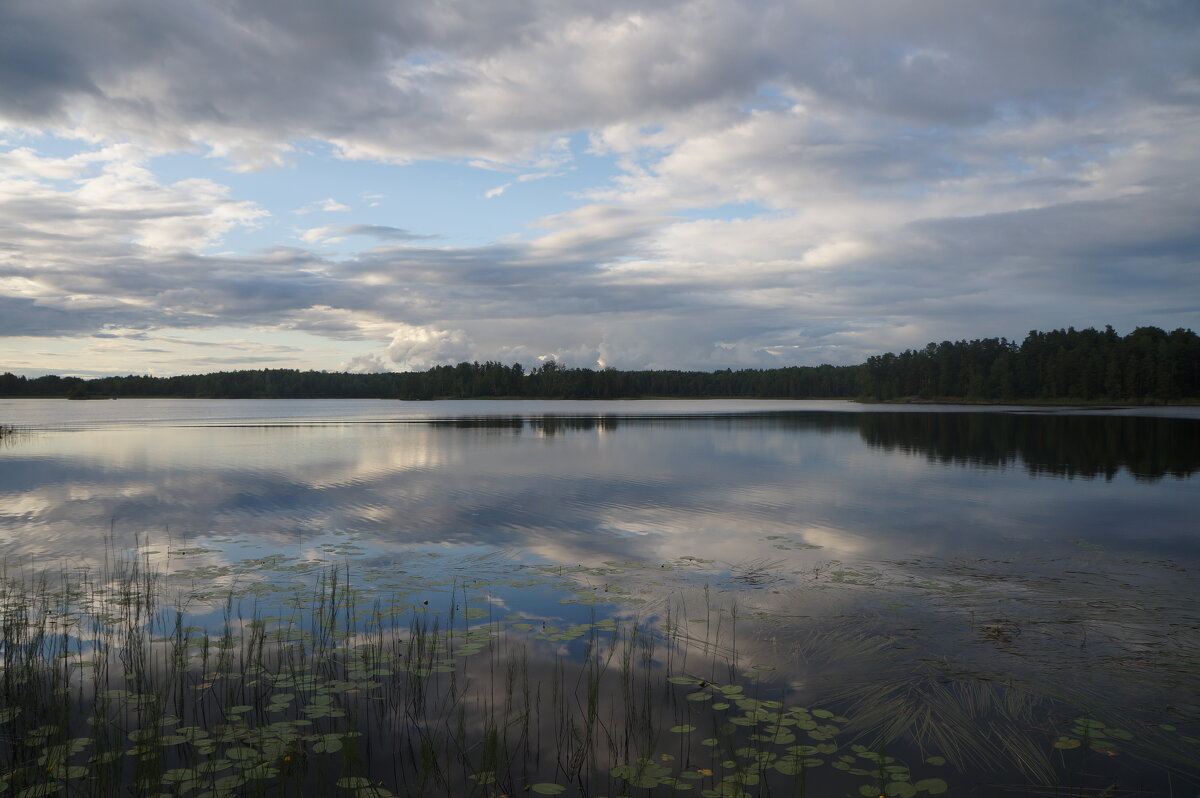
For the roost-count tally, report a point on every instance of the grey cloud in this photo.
(22, 316)
(38, 74)
(1161, 225)
(494, 78)
(383, 232)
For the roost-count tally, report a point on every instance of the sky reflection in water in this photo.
(871, 486)
(877, 555)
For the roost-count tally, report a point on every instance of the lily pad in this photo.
(932, 786)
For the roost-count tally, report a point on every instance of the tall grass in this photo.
(110, 684)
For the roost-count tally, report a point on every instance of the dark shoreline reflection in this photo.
(1058, 445)
(1149, 448)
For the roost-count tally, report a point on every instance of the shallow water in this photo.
(887, 562)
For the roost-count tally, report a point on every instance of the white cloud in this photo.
(371, 363)
(415, 348)
(325, 233)
(327, 205)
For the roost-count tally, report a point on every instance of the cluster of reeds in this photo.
(112, 684)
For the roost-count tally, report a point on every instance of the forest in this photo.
(1148, 365)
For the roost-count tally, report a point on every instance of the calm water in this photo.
(866, 547)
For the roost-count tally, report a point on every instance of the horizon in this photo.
(685, 186)
(530, 368)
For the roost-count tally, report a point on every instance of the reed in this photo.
(112, 682)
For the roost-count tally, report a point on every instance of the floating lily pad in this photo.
(932, 786)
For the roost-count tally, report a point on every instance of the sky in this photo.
(370, 185)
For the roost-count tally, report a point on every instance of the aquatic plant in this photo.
(276, 676)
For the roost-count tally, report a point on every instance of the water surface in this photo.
(873, 552)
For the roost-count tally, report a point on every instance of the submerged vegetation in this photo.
(185, 672)
(1147, 365)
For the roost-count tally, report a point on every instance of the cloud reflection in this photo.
(859, 486)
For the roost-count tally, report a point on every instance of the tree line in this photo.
(549, 380)
(1147, 365)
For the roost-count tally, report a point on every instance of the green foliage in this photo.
(464, 381)
(1148, 365)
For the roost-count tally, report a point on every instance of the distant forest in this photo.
(1148, 365)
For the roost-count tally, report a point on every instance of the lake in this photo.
(601, 598)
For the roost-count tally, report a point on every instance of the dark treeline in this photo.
(1148, 365)
(466, 380)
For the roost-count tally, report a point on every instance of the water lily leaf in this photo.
(900, 789)
(932, 786)
(547, 788)
(228, 783)
(328, 746)
(683, 728)
(105, 758)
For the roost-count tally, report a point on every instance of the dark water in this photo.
(955, 582)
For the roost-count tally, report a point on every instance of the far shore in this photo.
(1093, 404)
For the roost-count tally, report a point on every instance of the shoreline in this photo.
(1092, 404)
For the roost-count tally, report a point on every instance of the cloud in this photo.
(415, 348)
(330, 233)
(371, 363)
(498, 81)
(324, 233)
(327, 205)
(615, 283)
(383, 232)
(793, 182)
